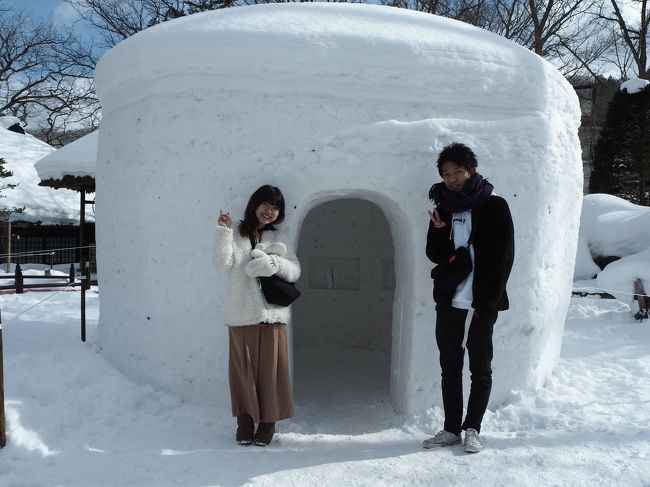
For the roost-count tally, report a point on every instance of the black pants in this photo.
(450, 331)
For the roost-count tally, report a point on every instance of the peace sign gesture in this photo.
(435, 218)
(224, 219)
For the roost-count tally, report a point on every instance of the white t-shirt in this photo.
(461, 229)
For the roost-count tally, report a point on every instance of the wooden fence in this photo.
(19, 280)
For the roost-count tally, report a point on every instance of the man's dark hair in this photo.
(459, 154)
(263, 194)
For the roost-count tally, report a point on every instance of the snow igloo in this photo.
(345, 108)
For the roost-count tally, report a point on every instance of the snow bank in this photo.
(42, 204)
(78, 158)
(619, 276)
(612, 226)
(585, 267)
(326, 101)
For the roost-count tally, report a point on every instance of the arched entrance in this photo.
(342, 325)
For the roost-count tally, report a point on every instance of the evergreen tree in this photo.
(5, 173)
(622, 156)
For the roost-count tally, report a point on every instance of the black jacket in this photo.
(494, 251)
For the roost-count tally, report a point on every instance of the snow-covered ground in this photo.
(73, 420)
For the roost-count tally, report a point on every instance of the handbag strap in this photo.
(254, 241)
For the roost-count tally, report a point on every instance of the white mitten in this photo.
(255, 253)
(261, 266)
(277, 248)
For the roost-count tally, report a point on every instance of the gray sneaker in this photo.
(442, 438)
(473, 442)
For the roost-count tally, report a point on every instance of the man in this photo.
(468, 214)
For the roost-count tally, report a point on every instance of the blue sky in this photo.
(56, 10)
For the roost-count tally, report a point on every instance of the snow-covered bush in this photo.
(612, 227)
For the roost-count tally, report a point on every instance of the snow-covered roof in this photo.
(634, 85)
(8, 121)
(46, 205)
(73, 163)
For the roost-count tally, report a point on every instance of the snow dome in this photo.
(344, 107)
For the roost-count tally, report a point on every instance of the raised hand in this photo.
(435, 218)
(224, 219)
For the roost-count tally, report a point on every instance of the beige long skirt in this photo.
(258, 370)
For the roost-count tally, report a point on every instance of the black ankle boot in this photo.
(264, 435)
(245, 429)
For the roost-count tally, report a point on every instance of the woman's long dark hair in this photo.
(263, 194)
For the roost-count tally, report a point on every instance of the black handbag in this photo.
(275, 289)
(448, 275)
(278, 291)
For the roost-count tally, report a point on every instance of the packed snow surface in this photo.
(78, 158)
(42, 204)
(75, 421)
(619, 276)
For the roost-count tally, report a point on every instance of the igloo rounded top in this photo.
(337, 49)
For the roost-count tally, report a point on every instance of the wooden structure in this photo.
(84, 185)
(19, 280)
(26, 242)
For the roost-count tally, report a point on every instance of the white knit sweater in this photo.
(246, 303)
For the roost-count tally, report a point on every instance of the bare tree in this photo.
(469, 11)
(563, 31)
(116, 20)
(631, 52)
(45, 75)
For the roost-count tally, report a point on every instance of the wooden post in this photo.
(3, 435)
(19, 280)
(85, 284)
(82, 259)
(7, 244)
(71, 273)
(641, 299)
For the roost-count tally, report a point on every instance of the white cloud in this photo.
(63, 13)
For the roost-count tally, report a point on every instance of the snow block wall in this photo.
(328, 102)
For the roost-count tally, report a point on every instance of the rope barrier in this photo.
(40, 302)
(599, 289)
(47, 252)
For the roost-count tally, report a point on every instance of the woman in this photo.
(260, 388)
